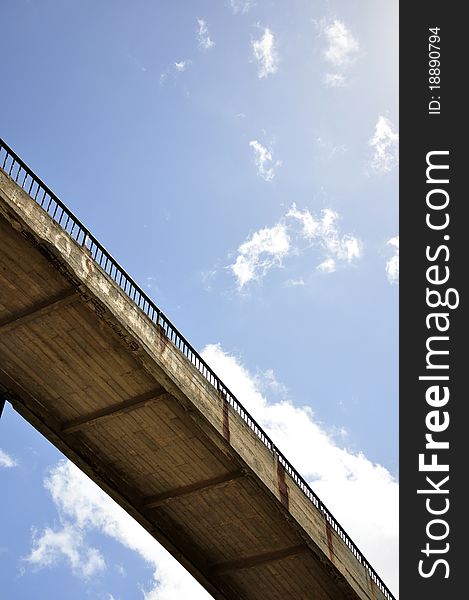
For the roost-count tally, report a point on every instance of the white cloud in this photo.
(173, 69)
(182, 65)
(6, 461)
(342, 47)
(294, 282)
(392, 266)
(266, 54)
(326, 232)
(335, 80)
(241, 6)
(67, 543)
(385, 144)
(310, 225)
(268, 247)
(85, 508)
(202, 35)
(340, 52)
(362, 495)
(327, 266)
(265, 249)
(263, 159)
(267, 382)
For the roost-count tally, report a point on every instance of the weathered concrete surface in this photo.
(90, 371)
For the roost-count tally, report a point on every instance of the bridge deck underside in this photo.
(77, 380)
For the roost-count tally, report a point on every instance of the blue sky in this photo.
(240, 161)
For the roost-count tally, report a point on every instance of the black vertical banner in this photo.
(434, 362)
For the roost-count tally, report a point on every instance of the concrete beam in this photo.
(260, 559)
(39, 309)
(154, 501)
(113, 411)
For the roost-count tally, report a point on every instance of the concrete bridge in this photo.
(101, 372)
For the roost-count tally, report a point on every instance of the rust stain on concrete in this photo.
(282, 486)
(226, 420)
(329, 541)
(163, 338)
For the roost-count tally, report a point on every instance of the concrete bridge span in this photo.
(100, 371)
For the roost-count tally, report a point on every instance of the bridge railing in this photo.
(17, 170)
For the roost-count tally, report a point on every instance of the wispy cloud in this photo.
(6, 461)
(268, 247)
(263, 250)
(203, 37)
(311, 225)
(241, 6)
(182, 65)
(52, 547)
(392, 266)
(385, 144)
(327, 266)
(294, 282)
(263, 159)
(335, 80)
(330, 150)
(174, 68)
(86, 510)
(342, 46)
(340, 52)
(362, 495)
(265, 53)
(326, 232)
